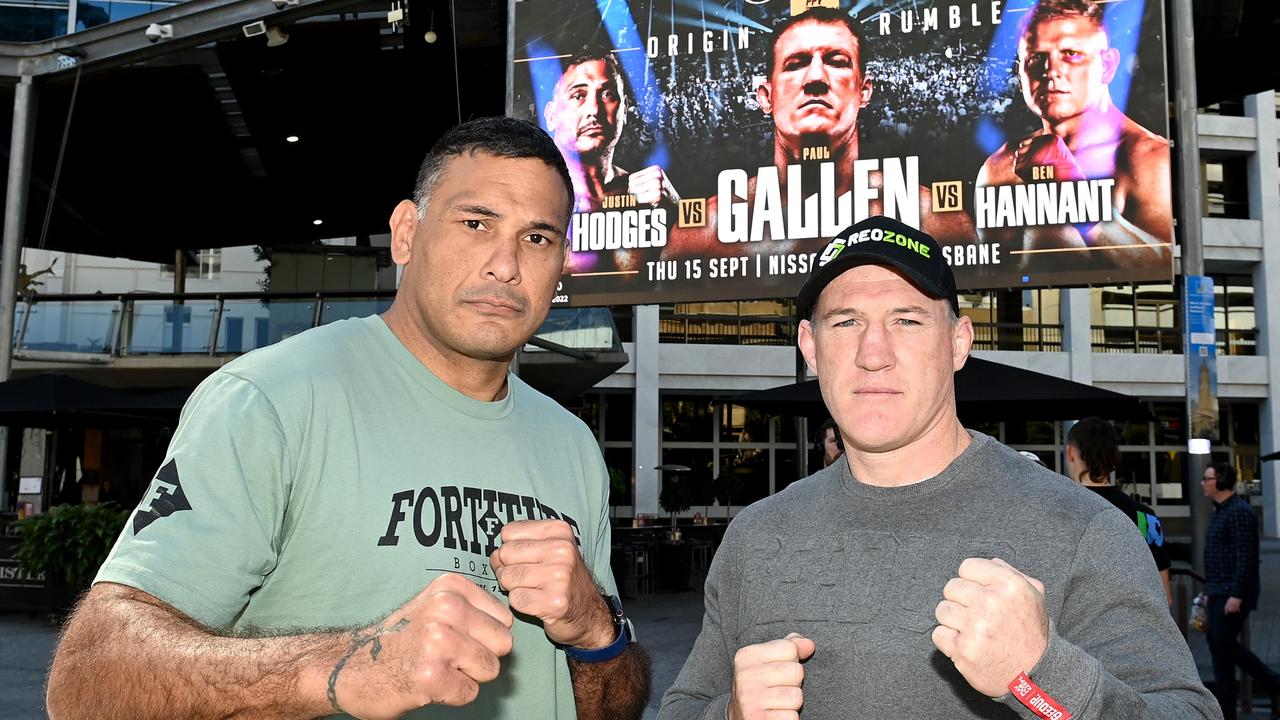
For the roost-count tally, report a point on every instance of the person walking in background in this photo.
(1232, 582)
(1093, 452)
(829, 442)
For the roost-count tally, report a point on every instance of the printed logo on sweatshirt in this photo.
(164, 497)
(892, 569)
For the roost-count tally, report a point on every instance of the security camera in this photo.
(156, 31)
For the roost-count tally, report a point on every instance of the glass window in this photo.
(987, 427)
(589, 412)
(1170, 488)
(624, 318)
(1132, 432)
(619, 461)
(687, 419)
(1226, 184)
(1112, 305)
(787, 428)
(740, 424)
(1157, 306)
(700, 463)
(750, 468)
(211, 264)
(619, 416)
(1244, 424)
(1171, 423)
(1134, 474)
(1042, 307)
(749, 322)
(784, 468)
(30, 24)
(123, 10)
(207, 265)
(1037, 432)
(1234, 316)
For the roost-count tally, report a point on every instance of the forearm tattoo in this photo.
(358, 641)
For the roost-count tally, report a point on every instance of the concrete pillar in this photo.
(1077, 333)
(21, 143)
(647, 432)
(1264, 205)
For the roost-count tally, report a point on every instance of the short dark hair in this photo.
(825, 16)
(1224, 475)
(589, 53)
(1099, 446)
(820, 437)
(498, 136)
(1050, 9)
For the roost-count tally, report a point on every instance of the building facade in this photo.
(666, 406)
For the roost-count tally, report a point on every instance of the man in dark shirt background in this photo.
(1231, 580)
(1093, 452)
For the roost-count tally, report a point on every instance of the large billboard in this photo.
(715, 145)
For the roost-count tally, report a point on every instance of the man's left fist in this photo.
(539, 566)
(992, 624)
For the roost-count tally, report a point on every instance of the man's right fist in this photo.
(1045, 151)
(767, 679)
(436, 649)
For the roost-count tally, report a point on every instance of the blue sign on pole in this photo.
(1201, 357)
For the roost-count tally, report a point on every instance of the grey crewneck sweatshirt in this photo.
(859, 569)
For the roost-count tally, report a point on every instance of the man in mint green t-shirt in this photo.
(375, 518)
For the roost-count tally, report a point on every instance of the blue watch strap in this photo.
(613, 649)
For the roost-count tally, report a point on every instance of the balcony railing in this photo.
(139, 324)
(1145, 340)
(1237, 342)
(727, 329)
(1017, 336)
(191, 323)
(1168, 341)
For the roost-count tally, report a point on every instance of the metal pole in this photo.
(1189, 231)
(802, 425)
(15, 216)
(179, 289)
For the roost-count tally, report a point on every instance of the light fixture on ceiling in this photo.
(292, 139)
(431, 35)
(317, 221)
(276, 37)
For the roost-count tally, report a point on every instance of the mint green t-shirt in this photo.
(325, 480)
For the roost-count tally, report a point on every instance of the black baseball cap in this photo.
(880, 240)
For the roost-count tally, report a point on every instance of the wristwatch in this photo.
(612, 650)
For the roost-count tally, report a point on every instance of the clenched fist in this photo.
(544, 575)
(767, 679)
(651, 186)
(992, 624)
(436, 649)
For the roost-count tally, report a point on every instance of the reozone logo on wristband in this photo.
(1037, 700)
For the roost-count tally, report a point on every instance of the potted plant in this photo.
(619, 488)
(68, 544)
(725, 486)
(676, 497)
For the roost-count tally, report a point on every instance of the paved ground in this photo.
(666, 624)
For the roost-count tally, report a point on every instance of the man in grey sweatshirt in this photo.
(934, 573)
